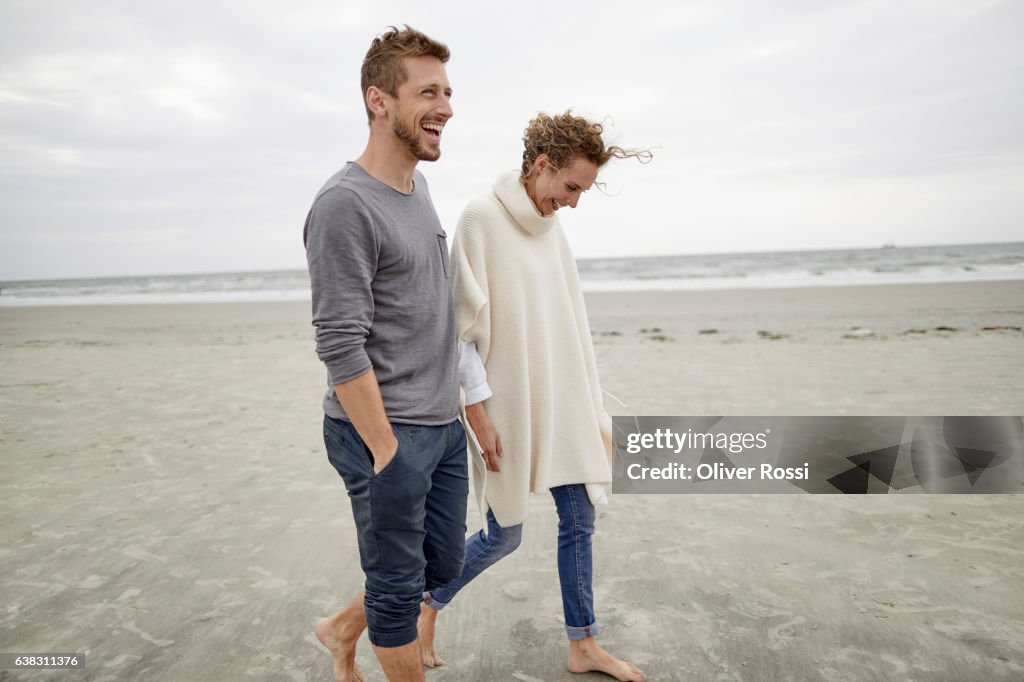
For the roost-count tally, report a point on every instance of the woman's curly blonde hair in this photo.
(564, 137)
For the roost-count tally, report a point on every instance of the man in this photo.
(384, 318)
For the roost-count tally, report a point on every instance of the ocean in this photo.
(887, 265)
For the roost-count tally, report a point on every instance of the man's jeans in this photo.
(575, 558)
(410, 518)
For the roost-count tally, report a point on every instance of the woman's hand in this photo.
(486, 435)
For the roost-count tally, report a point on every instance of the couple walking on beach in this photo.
(400, 328)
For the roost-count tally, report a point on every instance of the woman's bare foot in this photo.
(339, 634)
(586, 656)
(428, 617)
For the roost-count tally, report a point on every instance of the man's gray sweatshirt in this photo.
(378, 267)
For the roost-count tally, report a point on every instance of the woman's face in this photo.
(550, 190)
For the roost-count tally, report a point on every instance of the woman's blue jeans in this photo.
(575, 558)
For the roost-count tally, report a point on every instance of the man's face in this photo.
(422, 108)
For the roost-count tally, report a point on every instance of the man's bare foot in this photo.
(339, 634)
(428, 617)
(343, 651)
(586, 656)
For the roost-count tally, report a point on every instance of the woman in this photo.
(524, 332)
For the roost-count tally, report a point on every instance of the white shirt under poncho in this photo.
(518, 299)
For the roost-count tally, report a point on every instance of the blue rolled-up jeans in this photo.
(410, 518)
(575, 558)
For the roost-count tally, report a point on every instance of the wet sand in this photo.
(168, 508)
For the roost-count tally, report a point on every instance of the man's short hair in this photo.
(383, 65)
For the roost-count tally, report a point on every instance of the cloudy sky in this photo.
(146, 138)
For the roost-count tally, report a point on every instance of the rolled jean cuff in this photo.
(390, 640)
(433, 602)
(575, 632)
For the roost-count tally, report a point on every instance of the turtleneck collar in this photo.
(512, 195)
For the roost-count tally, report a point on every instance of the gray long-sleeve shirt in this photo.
(378, 267)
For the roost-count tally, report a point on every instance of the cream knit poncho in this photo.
(518, 298)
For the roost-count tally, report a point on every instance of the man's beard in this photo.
(412, 142)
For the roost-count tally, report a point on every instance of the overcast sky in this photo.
(144, 138)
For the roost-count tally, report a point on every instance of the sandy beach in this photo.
(169, 511)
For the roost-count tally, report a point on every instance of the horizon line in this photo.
(886, 246)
